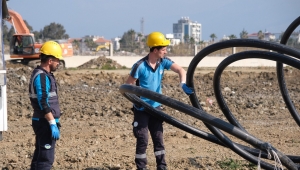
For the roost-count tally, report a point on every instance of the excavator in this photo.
(106, 45)
(24, 48)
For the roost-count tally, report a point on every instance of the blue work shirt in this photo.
(150, 78)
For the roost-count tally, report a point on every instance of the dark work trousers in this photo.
(142, 122)
(43, 156)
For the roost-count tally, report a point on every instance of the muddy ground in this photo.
(96, 122)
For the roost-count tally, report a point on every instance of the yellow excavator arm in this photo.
(106, 45)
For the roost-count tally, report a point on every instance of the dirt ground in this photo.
(96, 122)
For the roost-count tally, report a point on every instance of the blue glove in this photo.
(187, 89)
(55, 131)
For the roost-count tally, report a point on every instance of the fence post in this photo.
(233, 50)
(111, 49)
(195, 49)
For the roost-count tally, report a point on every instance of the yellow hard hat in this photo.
(52, 48)
(157, 39)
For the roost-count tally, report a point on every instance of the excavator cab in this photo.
(22, 45)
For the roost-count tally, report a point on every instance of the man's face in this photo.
(162, 52)
(54, 63)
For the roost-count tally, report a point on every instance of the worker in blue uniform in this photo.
(46, 111)
(149, 73)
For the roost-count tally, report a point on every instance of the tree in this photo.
(128, 42)
(10, 34)
(232, 36)
(90, 43)
(54, 31)
(260, 35)
(28, 26)
(192, 41)
(186, 38)
(6, 36)
(76, 44)
(38, 35)
(213, 37)
(202, 44)
(244, 34)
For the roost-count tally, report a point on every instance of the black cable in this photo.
(181, 125)
(227, 44)
(209, 119)
(280, 73)
(214, 124)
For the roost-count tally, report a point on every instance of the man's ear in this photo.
(49, 61)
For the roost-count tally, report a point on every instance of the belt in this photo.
(38, 119)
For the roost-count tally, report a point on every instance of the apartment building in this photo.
(186, 29)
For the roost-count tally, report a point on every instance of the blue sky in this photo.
(111, 18)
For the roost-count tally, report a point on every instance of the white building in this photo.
(116, 43)
(266, 36)
(173, 41)
(185, 28)
(93, 37)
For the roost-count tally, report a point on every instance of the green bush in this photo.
(230, 164)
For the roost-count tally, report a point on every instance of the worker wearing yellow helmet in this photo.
(148, 73)
(45, 104)
(51, 51)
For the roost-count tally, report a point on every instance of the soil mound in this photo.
(101, 63)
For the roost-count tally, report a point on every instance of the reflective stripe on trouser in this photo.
(145, 122)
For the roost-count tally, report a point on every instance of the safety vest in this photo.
(49, 101)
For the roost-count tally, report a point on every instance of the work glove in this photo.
(58, 123)
(186, 89)
(54, 130)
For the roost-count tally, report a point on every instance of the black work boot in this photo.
(162, 168)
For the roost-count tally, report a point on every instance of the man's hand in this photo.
(54, 130)
(186, 89)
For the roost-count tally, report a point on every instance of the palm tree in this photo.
(232, 36)
(260, 35)
(213, 37)
(90, 43)
(76, 44)
(192, 40)
(201, 43)
(244, 34)
(186, 38)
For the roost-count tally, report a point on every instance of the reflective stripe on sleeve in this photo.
(162, 152)
(51, 94)
(140, 156)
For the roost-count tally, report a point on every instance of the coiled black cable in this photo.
(280, 73)
(215, 124)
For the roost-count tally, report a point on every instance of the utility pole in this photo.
(142, 26)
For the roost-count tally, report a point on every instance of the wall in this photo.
(128, 61)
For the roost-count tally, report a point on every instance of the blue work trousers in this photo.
(43, 156)
(142, 123)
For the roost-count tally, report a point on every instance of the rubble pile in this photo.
(101, 63)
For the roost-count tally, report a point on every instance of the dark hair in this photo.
(44, 58)
(157, 47)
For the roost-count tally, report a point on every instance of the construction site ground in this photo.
(96, 122)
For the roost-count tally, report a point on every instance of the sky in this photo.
(112, 18)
